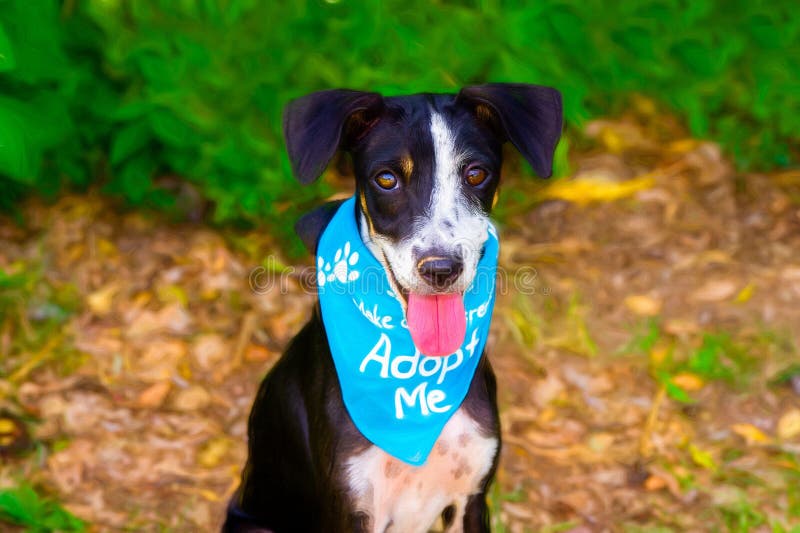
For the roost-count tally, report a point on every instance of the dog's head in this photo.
(427, 168)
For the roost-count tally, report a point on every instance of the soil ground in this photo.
(645, 342)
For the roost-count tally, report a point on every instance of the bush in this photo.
(122, 92)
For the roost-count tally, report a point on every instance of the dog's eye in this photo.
(386, 180)
(476, 175)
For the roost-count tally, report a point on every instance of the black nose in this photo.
(440, 272)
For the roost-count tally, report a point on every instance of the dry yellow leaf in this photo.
(643, 305)
(599, 442)
(789, 424)
(745, 294)
(212, 452)
(586, 190)
(7, 425)
(683, 145)
(750, 433)
(688, 381)
(702, 457)
(612, 140)
(100, 301)
(658, 354)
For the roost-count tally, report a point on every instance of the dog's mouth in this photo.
(437, 322)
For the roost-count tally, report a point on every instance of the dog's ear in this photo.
(311, 225)
(529, 116)
(316, 126)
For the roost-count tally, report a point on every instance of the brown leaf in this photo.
(209, 350)
(715, 291)
(643, 305)
(789, 424)
(654, 483)
(255, 353)
(154, 395)
(192, 399)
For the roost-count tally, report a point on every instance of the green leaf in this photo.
(7, 60)
(172, 130)
(129, 140)
(23, 506)
(15, 160)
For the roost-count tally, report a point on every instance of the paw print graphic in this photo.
(341, 268)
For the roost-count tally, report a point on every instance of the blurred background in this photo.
(649, 382)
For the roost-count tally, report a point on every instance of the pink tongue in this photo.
(437, 323)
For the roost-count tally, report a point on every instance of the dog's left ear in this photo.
(315, 126)
(529, 115)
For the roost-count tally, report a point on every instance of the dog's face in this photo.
(427, 168)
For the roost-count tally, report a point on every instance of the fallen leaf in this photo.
(643, 305)
(599, 442)
(192, 399)
(212, 452)
(585, 190)
(256, 354)
(101, 301)
(208, 350)
(154, 395)
(172, 318)
(745, 294)
(654, 483)
(715, 291)
(750, 433)
(702, 457)
(789, 424)
(688, 381)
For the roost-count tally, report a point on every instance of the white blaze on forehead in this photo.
(447, 162)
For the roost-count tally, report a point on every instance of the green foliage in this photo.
(24, 507)
(124, 92)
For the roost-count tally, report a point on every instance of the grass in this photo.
(33, 312)
(686, 365)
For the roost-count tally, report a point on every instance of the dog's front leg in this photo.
(476, 515)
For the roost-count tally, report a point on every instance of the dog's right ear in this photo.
(311, 225)
(317, 125)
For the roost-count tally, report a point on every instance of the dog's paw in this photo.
(343, 267)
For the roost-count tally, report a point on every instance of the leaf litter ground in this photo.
(645, 343)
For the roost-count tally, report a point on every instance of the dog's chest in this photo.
(405, 499)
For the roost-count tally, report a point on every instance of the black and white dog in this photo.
(427, 169)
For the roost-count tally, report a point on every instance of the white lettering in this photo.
(410, 399)
(434, 397)
(473, 343)
(437, 363)
(383, 322)
(447, 367)
(428, 401)
(382, 360)
(412, 361)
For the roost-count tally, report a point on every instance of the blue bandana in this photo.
(398, 398)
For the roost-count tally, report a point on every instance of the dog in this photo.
(427, 169)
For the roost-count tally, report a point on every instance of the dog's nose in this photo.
(440, 272)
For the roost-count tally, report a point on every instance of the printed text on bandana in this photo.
(425, 397)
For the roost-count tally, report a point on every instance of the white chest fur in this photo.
(400, 498)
